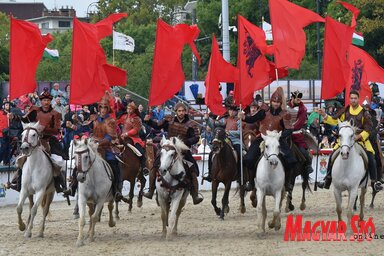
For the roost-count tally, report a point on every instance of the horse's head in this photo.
(171, 151)
(218, 141)
(30, 137)
(272, 147)
(84, 157)
(248, 137)
(346, 135)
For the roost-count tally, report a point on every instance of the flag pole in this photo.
(241, 150)
(205, 145)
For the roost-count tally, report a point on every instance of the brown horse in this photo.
(224, 169)
(130, 168)
(249, 136)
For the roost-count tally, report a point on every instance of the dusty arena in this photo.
(200, 231)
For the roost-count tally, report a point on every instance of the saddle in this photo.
(297, 153)
(20, 161)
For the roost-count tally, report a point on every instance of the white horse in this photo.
(37, 178)
(95, 183)
(348, 171)
(171, 189)
(269, 180)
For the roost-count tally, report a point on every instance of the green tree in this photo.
(4, 47)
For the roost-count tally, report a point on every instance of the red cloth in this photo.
(336, 69)
(364, 69)
(281, 72)
(288, 21)
(253, 65)
(219, 70)
(91, 76)
(353, 9)
(26, 50)
(167, 72)
(4, 123)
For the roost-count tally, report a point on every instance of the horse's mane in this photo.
(273, 134)
(179, 144)
(347, 124)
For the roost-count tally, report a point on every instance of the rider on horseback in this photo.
(105, 133)
(299, 118)
(362, 121)
(273, 119)
(229, 123)
(183, 127)
(131, 128)
(50, 120)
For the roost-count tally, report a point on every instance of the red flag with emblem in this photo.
(253, 65)
(167, 71)
(219, 70)
(26, 50)
(364, 69)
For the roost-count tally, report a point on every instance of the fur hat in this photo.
(45, 94)
(133, 106)
(254, 103)
(104, 102)
(278, 95)
(297, 94)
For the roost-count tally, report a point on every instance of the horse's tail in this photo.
(306, 180)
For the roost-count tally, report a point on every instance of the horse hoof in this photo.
(27, 234)
(242, 210)
(91, 239)
(302, 207)
(271, 224)
(254, 203)
(221, 217)
(76, 216)
(218, 211)
(117, 217)
(112, 224)
(371, 206)
(139, 204)
(277, 227)
(40, 235)
(291, 207)
(22, 227)
(79, 243)
(226, 210)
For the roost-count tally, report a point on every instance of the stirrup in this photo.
(196, 199)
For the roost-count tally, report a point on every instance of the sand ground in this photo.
(200, 231)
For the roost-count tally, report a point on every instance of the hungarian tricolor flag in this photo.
(167, 71)
(91, 75)
(288, 21)
(26, 50)
(253, 66)
(219, 70)
(336, 69)
(363, 69)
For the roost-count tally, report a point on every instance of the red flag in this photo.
(337, 40)
(252, 64)
(26, 50)
(288, 21)
(353, 9)
(219, 70)
(91, 76)
(167, 71)
(281, 72)
(364, 69)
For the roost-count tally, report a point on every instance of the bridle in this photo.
(344, 145)
(175, 156)
(25, 140)
(79, 162)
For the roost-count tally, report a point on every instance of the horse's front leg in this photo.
(49, 197)
(82, 209)
(111, 222)
(253, 198)
(303, 205)
(338, 200)
(96, 217)
(224, 200)
(117, 211)
(39, 198)
(172, 219)
(352, 198)
(276, 221)
(242, 195)
(362, 202)
(289, 206)
(260, 209)
(19, 209)
(31, 203)
(130, 195)
(142, 186)
(214, 185)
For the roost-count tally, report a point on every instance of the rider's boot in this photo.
(59, 182)
(209, 177)
(143, 165)
(16, 181)
(71, 191)
(195, 189)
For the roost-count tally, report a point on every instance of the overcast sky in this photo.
(79, 5)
